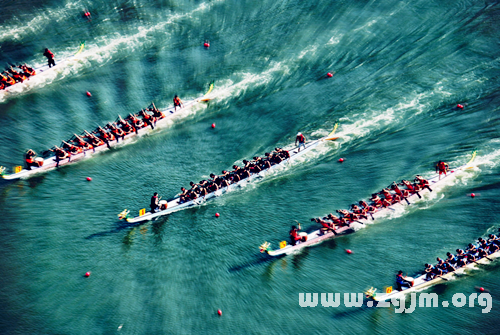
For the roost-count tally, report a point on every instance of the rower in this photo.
(448, 267)
(401, 193)
(368, 208)
(126, 127)
(375, 199)
(492, 239)
(60, 155)
(7, 80)
(177, 103)
(50, 57)
(402, 282)
(493, 248)
(301, 139)
(147, 119)
(94, 140)
(135, 121)
(155, 203)
(72, 149)
(482, 253)
(183, 196)
(326, 226)
(441, 167)
(212, 186)
(450, 258)
(81, 143)
(104, 135)
(424, 183)
(157, 114)
(31, 161)
(462, 261)
(118, 132)
(471, 249)
(429, 271)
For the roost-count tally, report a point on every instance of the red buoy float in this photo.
(88, 94)
(329, 74)
(89, 179)
(460, 106)
(217, 215)
(219, 312)
(341, 160)
(481, 289)
(206, 44)
(348, 251)
(472, 195)
(87, 274)
(213, 125)
(87, 14)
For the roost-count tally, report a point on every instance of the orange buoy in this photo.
(89, 179)
(348, 251)
(213, 125)
(87, 274)
(329, 74)
(219, 312)
(341, 160)
(217, 215)
(472, 195)
(460, 106)
(88, 94)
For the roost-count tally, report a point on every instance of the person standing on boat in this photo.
(50, 57)
(442, 167)
(301, 139)
(177, 103)
(155, 203)
(402, 282)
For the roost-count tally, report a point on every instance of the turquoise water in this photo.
(400, 68)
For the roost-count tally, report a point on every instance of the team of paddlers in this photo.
(227, 178)
(11, 76)
(391, 195)
(471, 254)
(100, 136)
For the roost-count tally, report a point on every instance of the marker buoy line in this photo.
(88, 94)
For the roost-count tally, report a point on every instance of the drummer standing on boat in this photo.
(155, 202)
(301, 139)
(441, 167)
(177, 103)
(50, 57)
